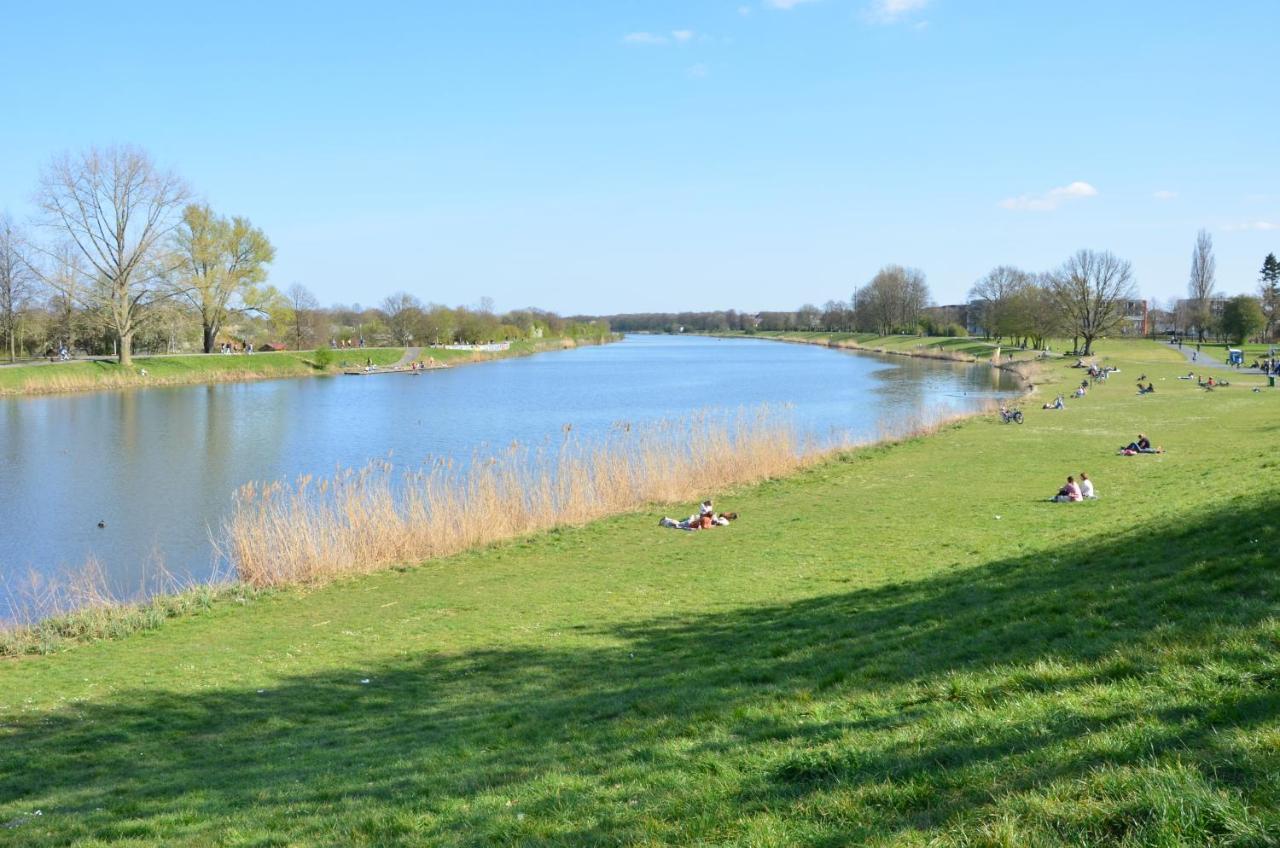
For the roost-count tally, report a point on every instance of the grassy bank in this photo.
(905, 646)
(932, 347)
(192, 369)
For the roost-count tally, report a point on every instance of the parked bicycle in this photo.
(1010, 415)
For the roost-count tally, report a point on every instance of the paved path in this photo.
(1206, 360)
(410, 355)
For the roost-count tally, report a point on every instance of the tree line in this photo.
(1092, 294)
(120, 256)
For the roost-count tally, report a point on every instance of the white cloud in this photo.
(891, 11)
(1165, 195)
(647, 38)
(1259, 226)
(682, 34)
(785, 5)
(1051, 199)
(699, 71)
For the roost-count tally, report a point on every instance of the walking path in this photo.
(1203, 359)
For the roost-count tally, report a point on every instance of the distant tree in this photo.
(221, 261)
(892, 301)
(1038, 314)
(16, 282)
(1269, 289)
(64, 270)
(440, 325)
(1089, 290)
(118, 209)
(808, 317)
(1242, 318)
(302, 307)
(1000, 294)
(1200, 285)
(404, 316)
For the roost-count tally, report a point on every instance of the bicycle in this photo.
(1007, 415)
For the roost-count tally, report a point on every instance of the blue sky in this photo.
(636, 156)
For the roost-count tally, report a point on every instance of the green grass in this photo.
(904, 646)
(187, 369)
(941, 346)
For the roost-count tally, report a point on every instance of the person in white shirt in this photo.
(1086, 487)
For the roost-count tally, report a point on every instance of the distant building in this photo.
(967, 315)
(1134, 322)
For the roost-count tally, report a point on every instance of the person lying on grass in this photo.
(1068, 493)
(1057, 404)
(700, 521)
(1142, 445)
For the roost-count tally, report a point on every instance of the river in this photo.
(158, 466)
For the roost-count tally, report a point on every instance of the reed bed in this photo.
(42, 613)
(358, 521)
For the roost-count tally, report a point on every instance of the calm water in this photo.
(159, 465)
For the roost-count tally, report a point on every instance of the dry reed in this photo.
(359, 521)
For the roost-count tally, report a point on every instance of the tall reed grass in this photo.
(360, 520)
(41, 613)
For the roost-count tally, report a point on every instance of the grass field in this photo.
(907, 645)
(964, 349)
(188, 369)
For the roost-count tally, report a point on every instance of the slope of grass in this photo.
(905, 646)
(941, 347)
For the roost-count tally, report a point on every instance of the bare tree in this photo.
(892, 301)
(15, 281)
(1000, 292)
(303, 306)
(117, 208)
(1200, 286)
(404, 315)
(222, 260)
(1090, 289)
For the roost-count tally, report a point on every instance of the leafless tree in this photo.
(1090, 290)
(117, 208)
(1000, 292)
(16, 281)
(1200, 285)
(404, 315)
(303, 306)
(892, 301)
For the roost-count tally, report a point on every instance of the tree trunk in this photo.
(210, 335)
(126, 348)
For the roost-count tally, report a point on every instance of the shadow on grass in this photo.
(1089, 697)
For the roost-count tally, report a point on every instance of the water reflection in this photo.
(159, 466)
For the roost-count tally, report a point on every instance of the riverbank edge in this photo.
(116, 620)
(45, 380)
(1026, 371)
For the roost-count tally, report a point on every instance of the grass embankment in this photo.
(191, 369)
(933, 347)
(905, 646)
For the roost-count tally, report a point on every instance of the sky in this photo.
(655, 155)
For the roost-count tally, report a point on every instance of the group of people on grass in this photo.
(706, 518)
(1073, 491)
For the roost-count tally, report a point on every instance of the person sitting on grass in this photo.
(1086, 487)
(1068, 493)
(1057, 404)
